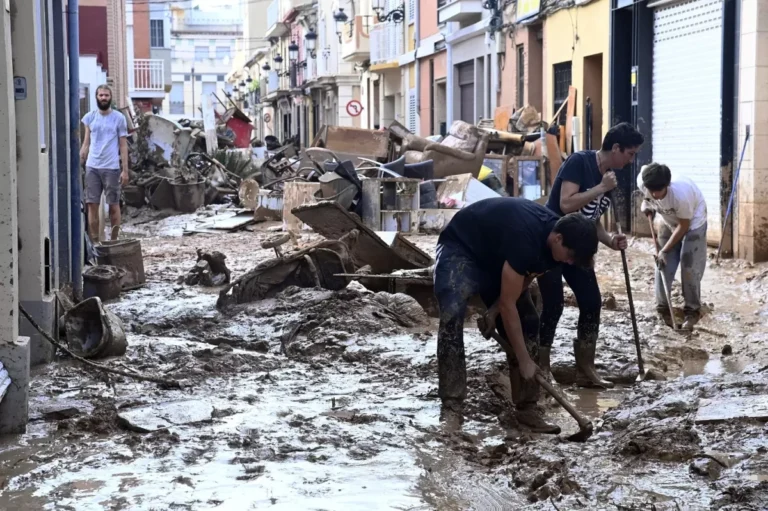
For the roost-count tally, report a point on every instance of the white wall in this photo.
(91, 74)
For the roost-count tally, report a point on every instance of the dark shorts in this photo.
(98, 180)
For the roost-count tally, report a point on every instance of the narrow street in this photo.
(344, 414)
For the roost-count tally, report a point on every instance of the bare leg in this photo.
(93, 222)
(114, 219)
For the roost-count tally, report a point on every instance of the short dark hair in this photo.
(623, 134)
(579, 236)
(656, 176)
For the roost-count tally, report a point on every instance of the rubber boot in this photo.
(524, 396)
(586, 375)
(544, 365)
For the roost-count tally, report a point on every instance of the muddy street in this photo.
(317, 399)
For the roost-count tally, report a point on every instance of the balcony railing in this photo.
(387, 42)
(149, 75)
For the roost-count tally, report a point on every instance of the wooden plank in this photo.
(730, 408)
(570, 112)
(501, 117)
(555, 157)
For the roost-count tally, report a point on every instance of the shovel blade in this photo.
(582, 434)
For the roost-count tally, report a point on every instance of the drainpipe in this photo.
(449, 81)
(417, 36)
(61, 147)
(73, 12)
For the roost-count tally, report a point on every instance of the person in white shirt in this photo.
(682, 237)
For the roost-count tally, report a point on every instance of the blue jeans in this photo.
(457, 279)
(691, 255)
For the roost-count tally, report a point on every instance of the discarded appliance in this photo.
(93, 331)
(383, 251)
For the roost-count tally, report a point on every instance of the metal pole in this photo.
(193, 93)
(76, 211)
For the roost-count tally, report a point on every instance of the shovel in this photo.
(585, 426)
(642, 373)
(663, 277)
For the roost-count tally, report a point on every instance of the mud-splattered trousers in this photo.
(691, 255)
(583, 283)
(457, 280)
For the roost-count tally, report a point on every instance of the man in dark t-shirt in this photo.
(582, 185)
(495, 248)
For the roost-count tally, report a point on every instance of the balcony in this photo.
(275, 25)
(387, 43)
(356, 46)
(149, 79)
(459, 10)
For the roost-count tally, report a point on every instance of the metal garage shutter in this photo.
(687, 55)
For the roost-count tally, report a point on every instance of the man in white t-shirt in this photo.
(682, 237)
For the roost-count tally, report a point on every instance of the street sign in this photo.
(19, 88)
(354, 108)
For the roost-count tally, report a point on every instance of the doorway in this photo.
(593, 101)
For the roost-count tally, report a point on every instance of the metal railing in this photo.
(149, 74)
(387, 42)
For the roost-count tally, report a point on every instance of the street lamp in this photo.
(311, 40)
(341, 17)
(293, 51)
(396, 15)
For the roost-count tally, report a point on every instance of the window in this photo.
(222, 52)
(520, 76)
(562, 79)
(201, 52)
(156, 34)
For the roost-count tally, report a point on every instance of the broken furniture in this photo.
(93, 331)
(461, 151)
(383, 251)
(391, 204)
(350, 143)
(315, 266)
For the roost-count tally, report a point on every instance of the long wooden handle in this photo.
(560, 399)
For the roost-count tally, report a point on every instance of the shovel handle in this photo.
(580, 419)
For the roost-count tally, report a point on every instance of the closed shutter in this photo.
(687, 117)
(412, 110)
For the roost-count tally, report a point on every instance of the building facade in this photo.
(148, 36)
(203, 45)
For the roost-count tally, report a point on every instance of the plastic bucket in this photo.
(103, 281)
(93, 331)
(126, 255)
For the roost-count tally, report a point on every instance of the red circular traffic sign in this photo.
(354, 108)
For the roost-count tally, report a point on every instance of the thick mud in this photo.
(328, 400)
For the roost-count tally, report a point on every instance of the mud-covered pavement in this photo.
(323, 400)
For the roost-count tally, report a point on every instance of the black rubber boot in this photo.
(524, 396)
(584, 352)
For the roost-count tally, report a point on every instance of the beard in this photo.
(104, 105)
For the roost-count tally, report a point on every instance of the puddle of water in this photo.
(714, 366)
